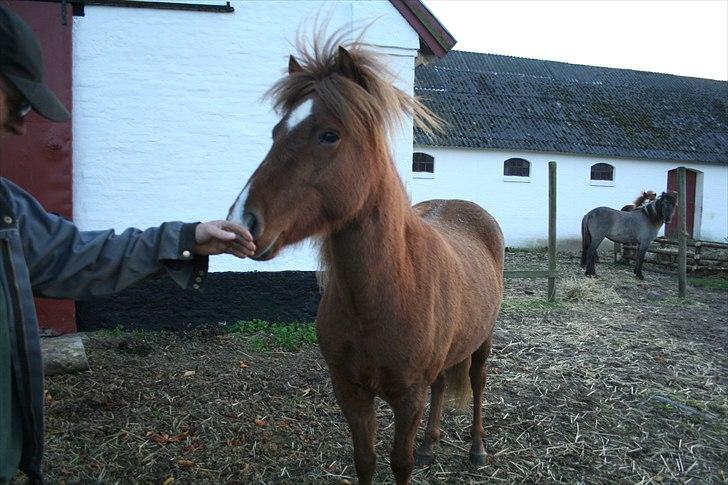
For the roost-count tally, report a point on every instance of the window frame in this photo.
(517, 178)
(602, 182)
(423, 174)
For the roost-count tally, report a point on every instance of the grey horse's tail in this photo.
(585, 240)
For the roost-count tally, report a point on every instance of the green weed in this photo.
(711, 282)
(270, 336)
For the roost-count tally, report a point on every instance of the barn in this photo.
(613, 133)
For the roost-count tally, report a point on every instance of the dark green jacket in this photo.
(46, 255)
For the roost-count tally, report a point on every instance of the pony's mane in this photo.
(364, 105)
(645, 196)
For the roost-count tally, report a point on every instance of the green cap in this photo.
(21, 63)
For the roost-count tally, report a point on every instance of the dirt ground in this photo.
(619, 381)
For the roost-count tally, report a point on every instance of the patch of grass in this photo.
(121, 331)
(711, 282)
(677, 301)
(270, 336)
(530, 304)
(541, 249)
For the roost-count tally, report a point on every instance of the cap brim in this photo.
(41, 98)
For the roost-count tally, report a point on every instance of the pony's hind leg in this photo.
(424, 454)
(408, 410)
(591, 257)
(478, 375)
(357, 405)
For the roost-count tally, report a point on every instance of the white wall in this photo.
(521, 208)
(168, 119)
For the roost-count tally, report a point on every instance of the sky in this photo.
(683, 37)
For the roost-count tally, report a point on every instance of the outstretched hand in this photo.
(218, 237)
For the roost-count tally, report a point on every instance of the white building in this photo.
(612, 132)
(169, 119)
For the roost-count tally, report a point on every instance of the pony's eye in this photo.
(328, 137)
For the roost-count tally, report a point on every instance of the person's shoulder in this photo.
(14, 196)
(6, 188)
(10, 190)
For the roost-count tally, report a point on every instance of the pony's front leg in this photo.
(424, 454)
(641, 252)
(408, 410)
(357, 404)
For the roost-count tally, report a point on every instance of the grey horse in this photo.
(636, 227)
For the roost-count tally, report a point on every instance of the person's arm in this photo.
(64, 262)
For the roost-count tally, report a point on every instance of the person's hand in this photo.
(218, 237)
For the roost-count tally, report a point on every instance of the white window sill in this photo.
(514, 178)
(423, 175)
(602, 183)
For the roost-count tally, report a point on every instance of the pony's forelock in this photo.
(365, 105)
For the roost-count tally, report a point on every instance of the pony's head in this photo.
(667, 202)
(649, 195)
(330, 149)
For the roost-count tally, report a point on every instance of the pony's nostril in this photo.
(253, 224)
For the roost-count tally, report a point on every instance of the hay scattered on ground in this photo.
(596, 389)
(588, 290)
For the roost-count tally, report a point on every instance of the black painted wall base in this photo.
(158, 303)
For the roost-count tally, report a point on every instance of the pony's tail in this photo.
(585, 240)
(458, 392)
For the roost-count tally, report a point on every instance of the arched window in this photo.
(422, 162)
(602, 171)
(517, 167)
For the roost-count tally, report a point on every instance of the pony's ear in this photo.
(293, 66)
(346, 65)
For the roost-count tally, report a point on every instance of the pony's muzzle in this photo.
(253, 223)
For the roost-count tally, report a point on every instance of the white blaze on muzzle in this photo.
(236, 211)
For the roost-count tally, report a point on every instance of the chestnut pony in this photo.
(645, 197)
(411, 294)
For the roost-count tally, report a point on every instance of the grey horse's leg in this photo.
(591, 254)
(641, 251)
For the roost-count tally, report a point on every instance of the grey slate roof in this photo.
(494, 101)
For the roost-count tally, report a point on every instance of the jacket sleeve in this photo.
(65, 262)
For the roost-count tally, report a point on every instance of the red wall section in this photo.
(41, 161)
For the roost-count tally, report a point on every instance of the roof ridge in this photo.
(455, 52)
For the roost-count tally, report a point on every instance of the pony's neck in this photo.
(654, 212)
(369, 254)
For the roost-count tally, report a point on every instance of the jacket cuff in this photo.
(190, 269)
(186, 250)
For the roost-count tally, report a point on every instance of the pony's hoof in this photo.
(422, 459)
(640, 276)
(478, 459)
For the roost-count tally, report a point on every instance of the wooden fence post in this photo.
(682, 233)
(552, 232)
